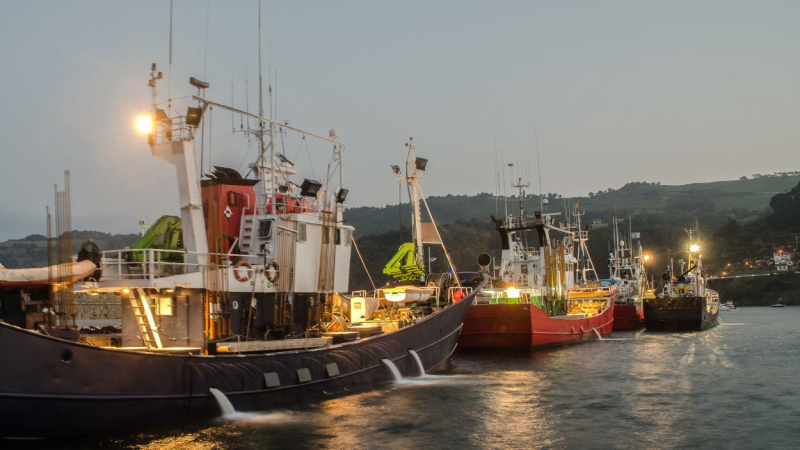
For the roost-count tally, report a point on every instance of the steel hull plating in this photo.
(627, 317)
(51, 387)
(678, 314)
(525, 327)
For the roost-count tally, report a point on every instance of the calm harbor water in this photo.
(734, 386)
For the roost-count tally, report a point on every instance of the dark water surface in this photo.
(734, 386)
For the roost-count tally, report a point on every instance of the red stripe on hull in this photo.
(628, 317)
(524, 326)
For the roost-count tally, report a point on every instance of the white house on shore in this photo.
(783, 261)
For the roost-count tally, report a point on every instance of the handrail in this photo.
(157, 263)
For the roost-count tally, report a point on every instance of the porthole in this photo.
(66, 356)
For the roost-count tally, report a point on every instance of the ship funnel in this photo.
(484, 260)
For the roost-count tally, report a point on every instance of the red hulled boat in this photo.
(626, 267)
(542, 295)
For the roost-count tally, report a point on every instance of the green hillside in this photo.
(735, 219)
(31, 251)
(743, 200)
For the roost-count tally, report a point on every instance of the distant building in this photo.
(598, 223)
(783, 261)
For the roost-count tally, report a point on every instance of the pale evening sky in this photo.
(620, 91)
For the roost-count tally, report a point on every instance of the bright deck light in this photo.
(144, 124)
(694, 248)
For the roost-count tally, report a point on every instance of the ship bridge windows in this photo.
(265, 229)
(343, 237)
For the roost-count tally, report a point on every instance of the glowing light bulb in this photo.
(694, 248)
(144, 124)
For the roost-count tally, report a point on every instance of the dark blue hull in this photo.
(52, 387)
(678, 314)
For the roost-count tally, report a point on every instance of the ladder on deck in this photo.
(248, 233)
(144, 317)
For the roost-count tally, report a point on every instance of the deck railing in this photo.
(152, 263)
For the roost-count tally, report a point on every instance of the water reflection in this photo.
(731, 386)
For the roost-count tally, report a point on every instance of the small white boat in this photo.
(408, 293)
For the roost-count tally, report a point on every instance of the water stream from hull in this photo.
(393, 368)
(419, 362)
(601, 338)
(224, 404)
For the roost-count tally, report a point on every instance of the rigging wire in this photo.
(205, 56)
(233, 127)
(249, 149)
(362, 262)
(538, 164)
(169, 75)
(299, 147)
(210, 130)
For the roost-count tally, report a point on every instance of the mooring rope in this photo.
(362, 262)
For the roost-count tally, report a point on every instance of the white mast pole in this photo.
(413, 179)
(169, 74)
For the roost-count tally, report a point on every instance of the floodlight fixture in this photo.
(421, 163)
(341, 196)
(310, 188)
(193, 116)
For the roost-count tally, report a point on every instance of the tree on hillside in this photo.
(786, 209)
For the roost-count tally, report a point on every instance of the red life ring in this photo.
(247, 273)
(272, 271)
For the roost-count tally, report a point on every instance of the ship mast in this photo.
(519, 185)
(413, 175)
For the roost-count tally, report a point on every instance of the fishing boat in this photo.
(684, 302)
(247, 302)
(546, 292)
(627, 272)
(411, 279)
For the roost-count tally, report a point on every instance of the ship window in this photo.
(265, 229)
(301, 232)
(347, 237)
(338, 236)
(165, 306)
(524, 268)
(326, 235)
